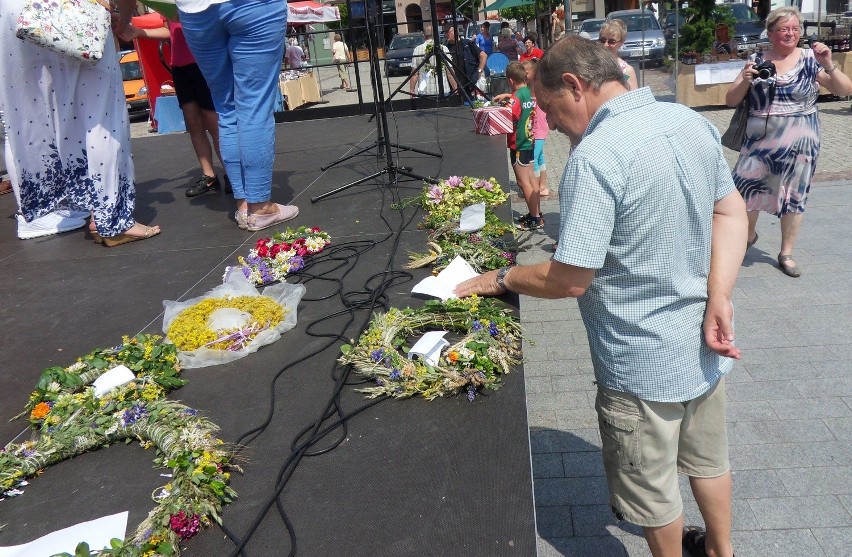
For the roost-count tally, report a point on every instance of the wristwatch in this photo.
(501, 276)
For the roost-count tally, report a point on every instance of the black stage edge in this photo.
(402, 103)
(412, 477)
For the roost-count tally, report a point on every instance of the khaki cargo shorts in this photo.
(646, 444)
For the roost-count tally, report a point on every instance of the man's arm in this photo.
(550, 279)
(730, 234)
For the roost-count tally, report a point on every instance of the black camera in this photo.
(765, 70)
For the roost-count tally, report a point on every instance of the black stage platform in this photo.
(412, 477)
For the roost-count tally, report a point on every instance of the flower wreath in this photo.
(67, 419)
(489, 347)
(482, 252)
(427, 54)
(274, 258)
(444, 201)
(191, 328)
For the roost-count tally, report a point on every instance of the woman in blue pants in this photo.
(239, 45)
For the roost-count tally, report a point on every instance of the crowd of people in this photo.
(654, 286)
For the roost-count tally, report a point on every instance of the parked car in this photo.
(749, 29)
(644, 36)
(592, 27)
(135, 91)
(398, 56)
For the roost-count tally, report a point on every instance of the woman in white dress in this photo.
(68, 137)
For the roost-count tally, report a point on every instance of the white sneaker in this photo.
(73, 213)
(51, 223)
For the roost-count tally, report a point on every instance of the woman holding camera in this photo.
(778, 157)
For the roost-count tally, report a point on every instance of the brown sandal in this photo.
(124, 238)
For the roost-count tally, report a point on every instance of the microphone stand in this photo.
(391, 170)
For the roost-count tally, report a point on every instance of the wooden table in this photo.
(690, 94)
(301, 91)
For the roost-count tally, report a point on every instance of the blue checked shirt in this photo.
(636, 203)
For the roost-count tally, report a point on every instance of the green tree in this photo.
(698, 33)
(521, 13)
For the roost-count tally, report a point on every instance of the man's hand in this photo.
(719, 328)
(485, 285)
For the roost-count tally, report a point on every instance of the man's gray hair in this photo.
(586, 59)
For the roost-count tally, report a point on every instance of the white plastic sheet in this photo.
(287, 295)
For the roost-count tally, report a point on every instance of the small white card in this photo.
(442, 286)
(472, 218)
(97, 533)
(429, 347)
(116, 377)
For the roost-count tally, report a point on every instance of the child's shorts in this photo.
(522, 158)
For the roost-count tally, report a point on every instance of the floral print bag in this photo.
(76, 28)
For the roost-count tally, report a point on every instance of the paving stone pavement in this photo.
(790, 397)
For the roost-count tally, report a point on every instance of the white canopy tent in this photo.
(308, 12)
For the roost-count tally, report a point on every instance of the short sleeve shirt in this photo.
(636, 204)
(522, 104)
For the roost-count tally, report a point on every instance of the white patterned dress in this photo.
(67, 130)
(779, 154)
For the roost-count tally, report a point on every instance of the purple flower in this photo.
(246, 272)
(253, 259)
(434, 195)
(471, 393)
(509, 256)
(297, 263)
(474, 238)
(484, 184)
(394, 375)
(377, 355)
(379, 382)
(492, 329)
(454, 181)
(189, 412)
(133, 414)
(477, 326)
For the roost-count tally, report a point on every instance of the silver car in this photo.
(644, 36)
(592, 27)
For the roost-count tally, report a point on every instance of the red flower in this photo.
(263, 251)
(316, 229)
(285, 246)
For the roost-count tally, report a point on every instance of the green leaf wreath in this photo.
(67, 419)
(489, 346)
(482, 252)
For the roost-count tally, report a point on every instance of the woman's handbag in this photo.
(75, 28)
(735, 134)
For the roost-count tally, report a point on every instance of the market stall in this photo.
(299, 87)
(707, 84)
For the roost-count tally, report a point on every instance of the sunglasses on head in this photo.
(608, 41)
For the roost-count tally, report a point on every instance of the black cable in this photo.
(339, 260)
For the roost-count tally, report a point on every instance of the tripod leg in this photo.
(399, 147)
(349, 156)
(350, 184)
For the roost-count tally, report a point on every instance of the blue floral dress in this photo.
(67, 130)
(778, 157)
